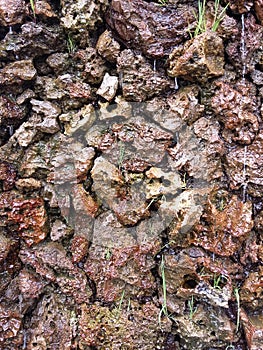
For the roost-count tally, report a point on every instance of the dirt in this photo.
(131, 212)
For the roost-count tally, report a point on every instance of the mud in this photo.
(131, 212)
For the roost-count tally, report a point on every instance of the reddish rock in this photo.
(253, 327)
(224, 231)
(240, 6)
(30, 284)
(108, 47)
(17, 72)
(252, 289)
(10, 324)
(238, 113)
(79, 248)
(12, 12)
(259, 10)
(7, 175)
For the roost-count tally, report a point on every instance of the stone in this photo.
(108, 47)
(199, 59)
(108, 87)
(12, 12)
(17, 72)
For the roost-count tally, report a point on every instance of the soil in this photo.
(131, 175)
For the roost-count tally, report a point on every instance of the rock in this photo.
(259, 10)
(238, 113)
(240, 6)
(26, 95)
(137, 327)
(108, 87)
(43, 9)
(257, 77)
(225, 229)
(7, 175)
(12, 12)
(253, 327)
(92, 65)
(59, 62)
(252, 289)
(5, 247)
(17, 72)
(252, 157)
(30, 284)
(79, 248)
(152, 29)
(27, 132)
(108, 47)
(50, 112)
(138, 80)
(59, 230)
(29, 215)
(28, 184)
(10, 324)
(35, 39)
(81, 14)
(199, 59)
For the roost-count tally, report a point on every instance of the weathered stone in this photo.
(59, 62)
(138, 79)
(146, 26)
(12, 12)
(82, 14)
(79, 248)
(240, 6)
(108, 87)
(7, 175)
(253, 327)
(200, 59)
(108, 47)
(43, 9)
(17, 72)
(59, 230)
(28, 184)
(30, 284)
(259, 10)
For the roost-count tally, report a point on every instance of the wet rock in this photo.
(59, 62)
(7, 175)
(30, 284)
(50, 261)
(17, 72)
(253, 327)
(252, 157)
(138, 79)
(226, 229)
(200, 59)
(91, 64)
(208, 327)
(28, 214)
(35, 39)
(252, 289)
(12, 12)
(136, 327)
(240, 6)
(185, 104)
(59, 230)
(252, 38)
(51, 323)
(108, 47)
(146, 26)
(28, 184)
(259, 10)
(82, 14)
(79, 248)
(10, 324)
(238, 113)
(115, 258)
(108, 87)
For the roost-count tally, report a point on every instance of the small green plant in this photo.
(108, 253)
(184, 182)
(237, 296)
(200, 17)
(70, 44)
(119, 308)
(164, 310)
(32, 5)
(162, 2)
(192, 308)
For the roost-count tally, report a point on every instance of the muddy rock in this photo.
(122, 327)
(200, 59)
(108, 47)
(80, 14)
(237, 112)
(146, 26)
(12, 12)
(138, 79)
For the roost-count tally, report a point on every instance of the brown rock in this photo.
(253, 327)
(79, 248)
(240, 6)
(108, 47)
(17, 72)
(30, 284)
(199, 59)
(148, 27)
(12, 12)
(138, 79)
(259, 10)
(7, 175)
